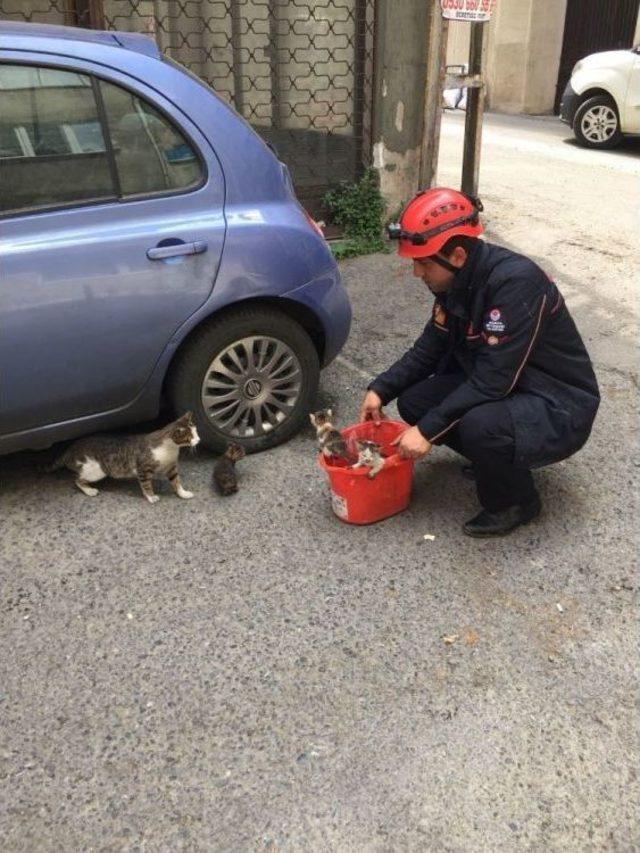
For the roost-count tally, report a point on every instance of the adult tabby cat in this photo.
(134, 456)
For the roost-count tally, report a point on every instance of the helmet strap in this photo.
(443, 262)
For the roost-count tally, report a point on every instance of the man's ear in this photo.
(458, 257)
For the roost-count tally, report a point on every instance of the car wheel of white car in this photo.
(596, 124)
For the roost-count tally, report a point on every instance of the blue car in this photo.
(151, 249)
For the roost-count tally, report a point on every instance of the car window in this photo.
(50, 132)
(151, 154)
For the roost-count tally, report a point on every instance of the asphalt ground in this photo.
(253, 674)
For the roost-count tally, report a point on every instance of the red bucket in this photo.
(356, 498)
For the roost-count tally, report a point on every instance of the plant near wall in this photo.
(358, 209)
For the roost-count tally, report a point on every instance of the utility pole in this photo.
(477, 13)
(475, 109)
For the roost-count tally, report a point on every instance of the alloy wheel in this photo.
(251, 387)
(599, 123)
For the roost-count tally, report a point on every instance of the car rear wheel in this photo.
(249, 377)
(596, 123)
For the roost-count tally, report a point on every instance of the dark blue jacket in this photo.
(505, 323)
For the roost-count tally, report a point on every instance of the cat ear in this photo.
(329, 413)
(312, 418)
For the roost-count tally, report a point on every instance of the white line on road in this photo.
(354, 367)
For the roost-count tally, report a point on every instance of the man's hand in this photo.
(371, 408)
(412, 444)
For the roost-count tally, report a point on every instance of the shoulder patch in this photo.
(494, 322)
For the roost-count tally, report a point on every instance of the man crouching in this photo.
(500, 373)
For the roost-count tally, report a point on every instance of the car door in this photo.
(631, 118)
(111, 232)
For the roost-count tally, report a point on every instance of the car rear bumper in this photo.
(569, 104)
(327, 298)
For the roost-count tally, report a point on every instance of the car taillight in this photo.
(315, 225)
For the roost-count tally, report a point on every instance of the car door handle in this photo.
(158, 253)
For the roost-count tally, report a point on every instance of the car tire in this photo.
(262, 363)
(597, 124)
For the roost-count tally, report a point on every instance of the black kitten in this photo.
(225, 479)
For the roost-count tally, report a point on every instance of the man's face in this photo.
(437, 278)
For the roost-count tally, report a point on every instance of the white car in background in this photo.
(602, 100)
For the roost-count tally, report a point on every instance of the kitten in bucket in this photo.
(225, 479)
(330, 442)
(142, 457)
(369, 456)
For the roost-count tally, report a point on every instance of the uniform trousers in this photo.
(485, 435)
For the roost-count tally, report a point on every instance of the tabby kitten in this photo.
(123, 457)
(369, 456)
(330, 442)
(225, 479)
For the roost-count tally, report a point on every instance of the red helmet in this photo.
(431, 218)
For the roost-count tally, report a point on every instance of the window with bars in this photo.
(300, 73)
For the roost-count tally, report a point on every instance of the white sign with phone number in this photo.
(467, 10)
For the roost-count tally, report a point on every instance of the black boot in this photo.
(498, 523)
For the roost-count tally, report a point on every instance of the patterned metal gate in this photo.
(301, 72)
(591, 26)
